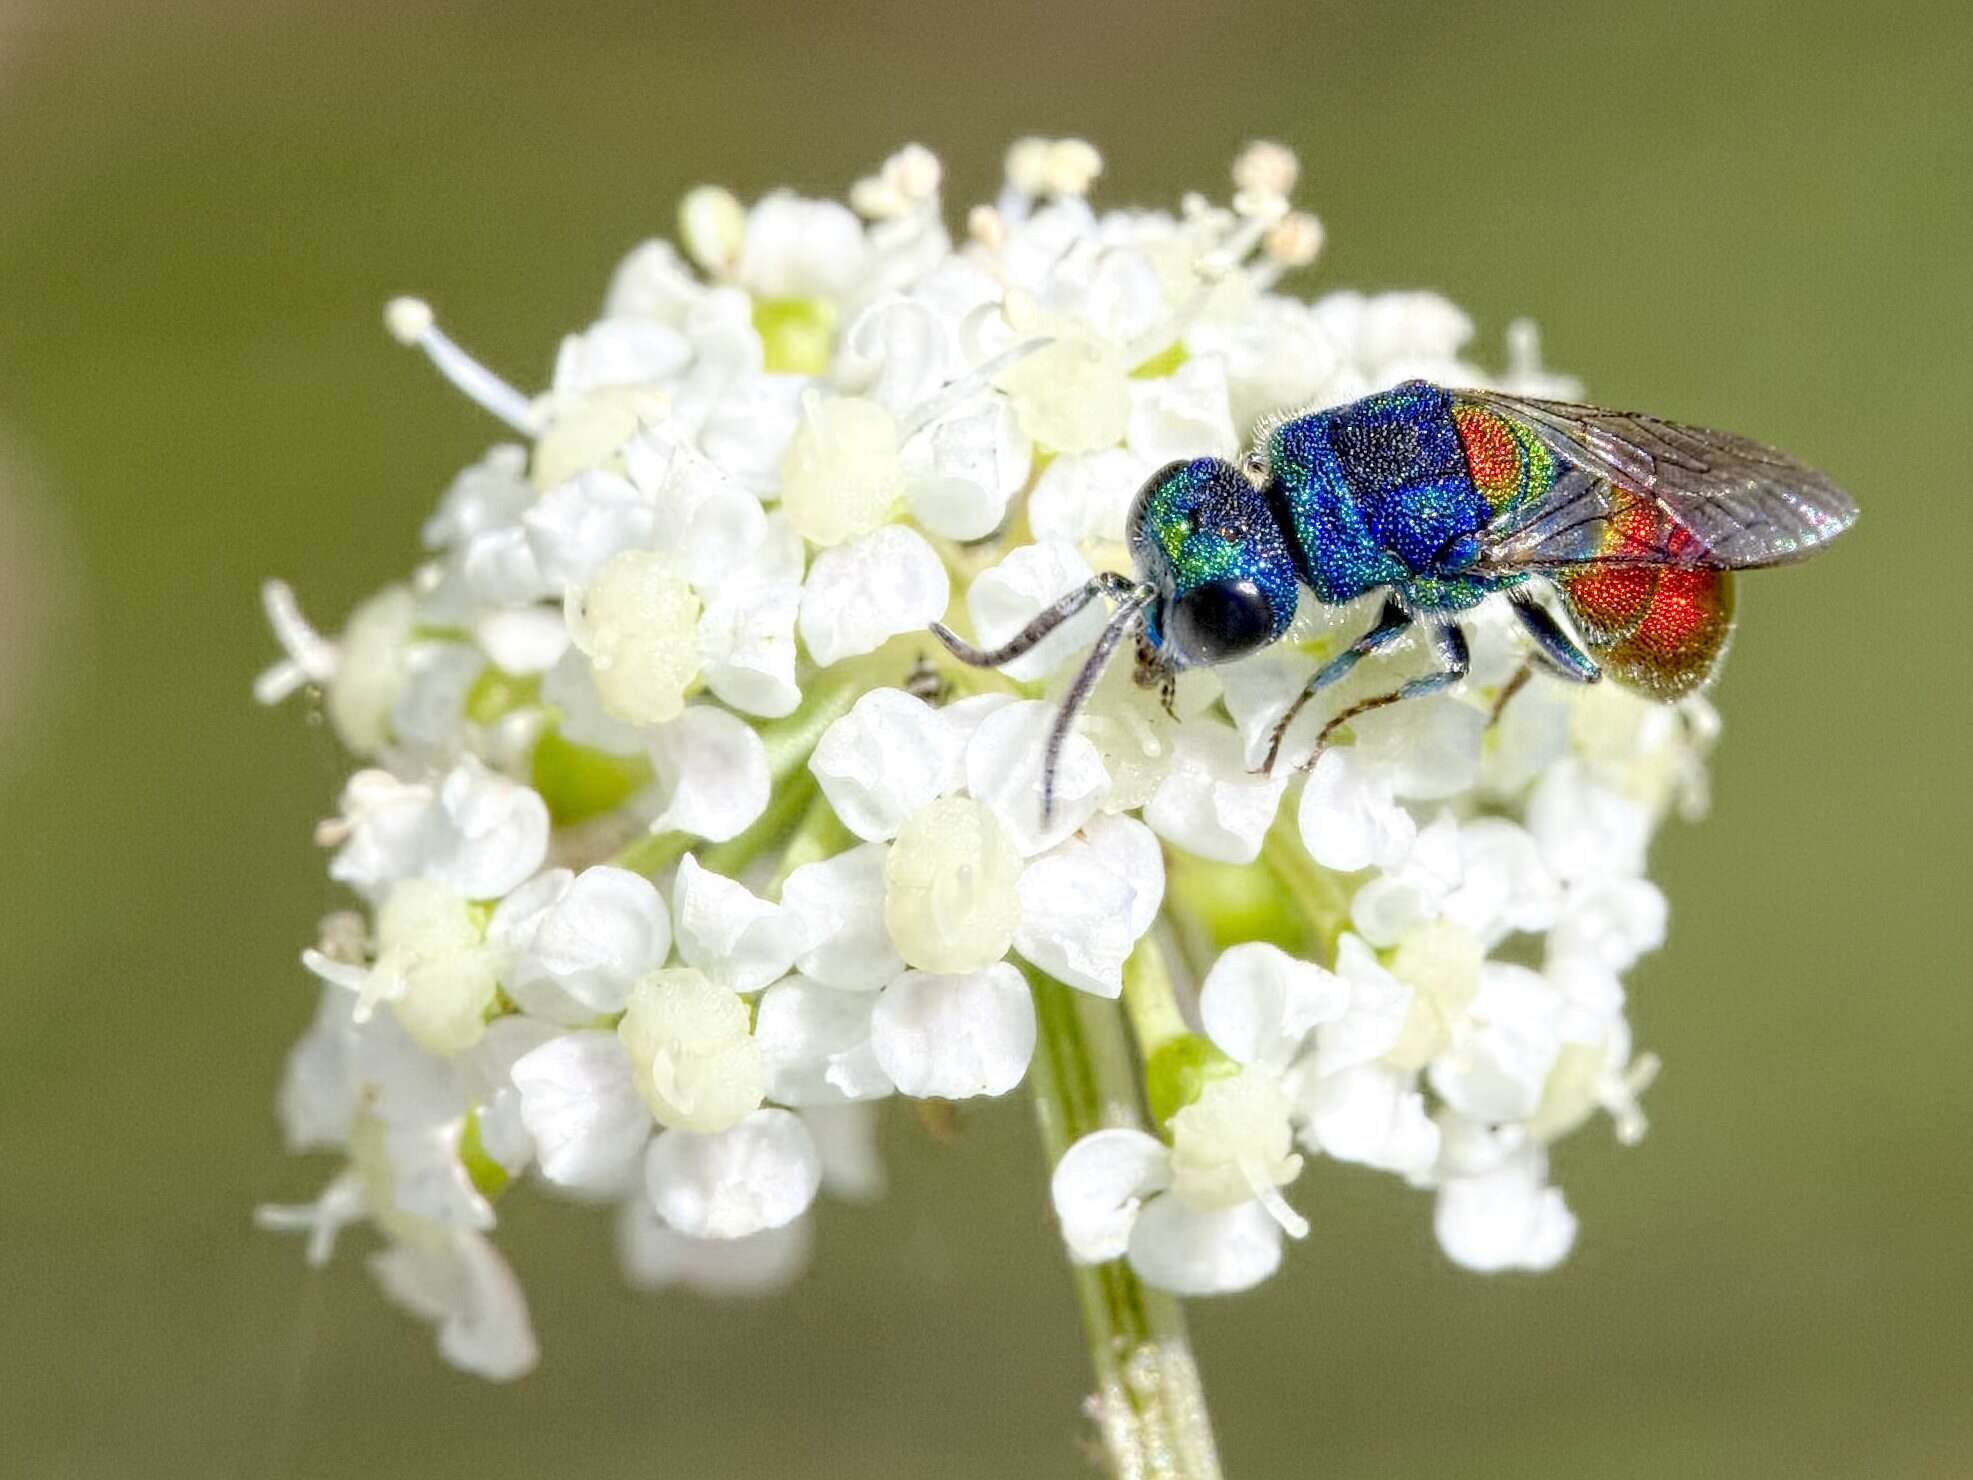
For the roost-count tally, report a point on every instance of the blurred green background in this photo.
(1752, 214)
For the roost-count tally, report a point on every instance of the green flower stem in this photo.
(653, 853)
(819, 835)
(1150, 1406)
(1321, 900)
(1150, 1000)
(786, 807)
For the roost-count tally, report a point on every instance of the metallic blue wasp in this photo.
(1443, 499)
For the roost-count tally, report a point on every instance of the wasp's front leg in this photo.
(1449, 642)
(1392, 623)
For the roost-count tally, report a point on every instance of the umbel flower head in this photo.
(677, 848)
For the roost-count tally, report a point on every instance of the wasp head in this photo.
(1205, 536)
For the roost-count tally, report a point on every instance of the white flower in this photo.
(1086, 902)
(432, 967)
(462, 1286)
(1003, 771)
(1349, 815)
(1210, 803)
(960, 473)
(885, 759)
(1184, 414)
(632, 350)
(760, 1173)
(712, 774)
(692, 1054)
(842, 474)
(581, 1107)
(575, 528)
(951, 887)
(655, 1256)
(1111, 1191)
(839, 904)
(1085, 498)
(723, 928)
(580, 941)
(688, 599)
(747, 639)
(361, 673)
(795, 248)
(816, 1043)
(475, 830)
(954, 1036)
(637, 620)
(861, 594)
(1495, 1211)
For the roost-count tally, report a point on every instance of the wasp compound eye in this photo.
(1220, 621)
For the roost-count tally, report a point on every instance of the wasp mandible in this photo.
(1443, 499)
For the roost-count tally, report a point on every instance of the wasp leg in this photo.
(1391, 624)
(1552, 644)
(1553, 652)
(1508, 690)
(1109, 584)
(1450, 644)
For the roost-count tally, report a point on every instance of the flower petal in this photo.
(1210, 803)
(860, 595)
(886, 758)
(1259, 1003)
(581, 1106)
(712, 776)
(1004, 598)
(465, 1288)
(816, 1044)
(656, 1257)
(1371, 1114)
(1506, 1218)
(591, 935)
(1003, 770)
(953, 1037)
(1349, 818)
(736, 938)
(1191, 1253)
(1100, 1185)
(840, 904)
(762, 1173)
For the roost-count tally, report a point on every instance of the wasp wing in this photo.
(1638, 490)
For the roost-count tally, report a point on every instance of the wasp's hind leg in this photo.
(1553, 651)
(1449, 642)
(1392, 623)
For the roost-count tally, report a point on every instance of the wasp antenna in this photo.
(412, 323)
(1126, 616)
(1108, 583)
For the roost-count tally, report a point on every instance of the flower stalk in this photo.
(1149, 1405)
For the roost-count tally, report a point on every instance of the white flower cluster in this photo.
(679, 844)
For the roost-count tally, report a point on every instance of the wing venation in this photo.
(1639, 490)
